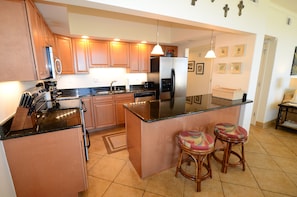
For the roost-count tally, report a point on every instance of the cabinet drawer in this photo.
(105, 98)
(127, 96)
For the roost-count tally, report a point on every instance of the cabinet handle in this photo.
(58, 66)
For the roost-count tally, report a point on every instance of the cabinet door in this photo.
(99, 53)
(89, 117)
(120, 100)
(104, 111)
(48, 161)
(119, 54)
(134, 58)
(80, 51)
(144, 58)
(65, 54)
(37, 27)
(17, 63)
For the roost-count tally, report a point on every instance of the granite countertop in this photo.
(150, 111)
(50, 121)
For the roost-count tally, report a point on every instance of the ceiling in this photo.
(56, 16)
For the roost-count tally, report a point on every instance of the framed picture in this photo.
(222, 67)
(189, 99)
(235, 68)
(294, 63)
(191, 66)
(223, 52)
(199, 68)
(238, 50)
(197, 99)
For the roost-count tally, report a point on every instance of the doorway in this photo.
(264, 80)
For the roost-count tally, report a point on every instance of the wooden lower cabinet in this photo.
(49, 164)
(109, 110)
(120, 100)
(104, 111)
(89, 115)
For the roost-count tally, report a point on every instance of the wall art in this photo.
(197, 99)
(223, 52)
(191, 66)
(189, 99)
(294, 63)
(235, 68)
(238, 50)
(222, 67)
(199, 68)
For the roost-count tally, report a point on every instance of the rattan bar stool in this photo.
(195, 146)
(230, 135)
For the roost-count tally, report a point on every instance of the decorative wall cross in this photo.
(240, 7)
(226, 9)
(193, 2)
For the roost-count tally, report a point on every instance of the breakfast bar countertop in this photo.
(151, 111)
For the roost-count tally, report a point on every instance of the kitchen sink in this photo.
(110, 92)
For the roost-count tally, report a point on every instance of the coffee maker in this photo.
(51, 88)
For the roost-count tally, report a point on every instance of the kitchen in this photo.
(78, 81)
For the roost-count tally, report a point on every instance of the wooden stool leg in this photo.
(198, 175)
(226, 157)
(209, 166)
(242, 156)
(179, 162)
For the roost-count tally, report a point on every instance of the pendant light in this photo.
(211, 53)
(157, 50)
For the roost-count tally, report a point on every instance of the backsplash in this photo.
(98, 77)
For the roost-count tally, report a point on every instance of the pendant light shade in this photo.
(211, 53)
(157, 50)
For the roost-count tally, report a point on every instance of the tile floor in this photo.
(271, 171)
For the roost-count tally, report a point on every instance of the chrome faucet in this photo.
(111, 85)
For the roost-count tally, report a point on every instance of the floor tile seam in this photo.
(286, 173)
(278, 193)
(254, 177)
(262, 189)
(114, 157)
(119, 172)
(129, 186)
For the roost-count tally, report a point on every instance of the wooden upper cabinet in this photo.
(65, 54)
(119, 54)
(38, 35)
(17, 63)
(80, 51)
(99, 55)
(139, 60)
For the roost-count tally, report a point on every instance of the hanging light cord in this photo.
(211, 40)
(157, 32)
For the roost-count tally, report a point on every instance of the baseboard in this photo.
(266, 124)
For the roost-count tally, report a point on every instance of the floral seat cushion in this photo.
(230, 130)
(196, 140)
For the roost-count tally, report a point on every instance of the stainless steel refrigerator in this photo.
(170, 73)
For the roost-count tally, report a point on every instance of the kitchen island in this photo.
(152, 125)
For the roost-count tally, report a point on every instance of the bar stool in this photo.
(230, 135)
(195, 146)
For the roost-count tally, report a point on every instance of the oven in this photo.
(144, 96)
(71, 102)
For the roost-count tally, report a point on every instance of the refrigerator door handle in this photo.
(172, 83)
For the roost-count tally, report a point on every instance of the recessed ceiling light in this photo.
(143, 42)
(85, 37)
(116, 39)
